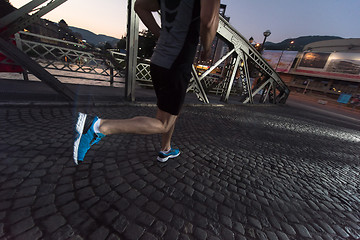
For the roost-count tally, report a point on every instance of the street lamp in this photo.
(266, 34)
(291, 44)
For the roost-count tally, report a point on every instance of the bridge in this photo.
(41, 54)
(246, 171)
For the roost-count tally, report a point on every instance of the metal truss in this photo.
(26, 15)
(70, 57)
(75, 58)
(18, 20)
(54, 56)
(238, 59)
(143, 76)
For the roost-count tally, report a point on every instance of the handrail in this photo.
(52, 39)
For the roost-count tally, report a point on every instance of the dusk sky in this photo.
(284, 18)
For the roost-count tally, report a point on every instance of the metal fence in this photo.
(61, 57)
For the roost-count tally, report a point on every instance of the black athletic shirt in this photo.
(180, 24)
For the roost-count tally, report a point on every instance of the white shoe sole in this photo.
(167, 158)
(79, 127)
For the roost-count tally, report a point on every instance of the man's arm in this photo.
(144, 9)
(209, 21)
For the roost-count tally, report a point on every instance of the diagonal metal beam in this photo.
(232, 77)
(21, 12)
(12, 52)
(19, 19)
(198, 88)
(207, 72)
(247, 76)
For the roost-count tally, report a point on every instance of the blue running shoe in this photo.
(85, 136)
(163, 157)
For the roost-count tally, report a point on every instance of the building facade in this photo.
(327, 67)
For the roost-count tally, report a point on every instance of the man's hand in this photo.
(209, 21)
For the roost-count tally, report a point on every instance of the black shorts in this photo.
(170, 86)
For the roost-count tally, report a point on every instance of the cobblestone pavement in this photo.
(245, 172)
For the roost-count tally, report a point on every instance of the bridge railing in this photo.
(63, 57)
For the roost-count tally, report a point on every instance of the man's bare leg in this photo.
(162, 124)
(166, 139)
(139, 125)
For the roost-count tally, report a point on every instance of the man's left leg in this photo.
(166, 151)
(90, 130)
(166, 139)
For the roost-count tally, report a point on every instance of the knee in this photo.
(167, 121)
(165, 128)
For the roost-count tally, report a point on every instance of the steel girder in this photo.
(241, 54)
(17, 55)
(18, 20)
(132, 51)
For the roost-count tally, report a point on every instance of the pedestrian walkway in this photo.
(245, 172)
(20, 92)
(325, 103)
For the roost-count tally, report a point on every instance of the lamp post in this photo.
(291, 44)
(266, 34)
(282, 52)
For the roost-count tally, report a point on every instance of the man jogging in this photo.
(182, 22)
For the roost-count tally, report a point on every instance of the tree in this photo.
(147, 42)
(63, 24)
(107, 46)
(122, 43)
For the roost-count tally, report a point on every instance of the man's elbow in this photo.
(141, 5)
(209, 24)
(146, 5)
(209, 21)
(137, 6)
